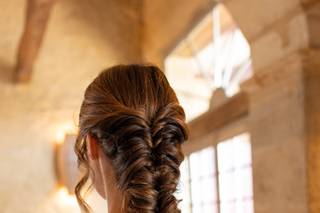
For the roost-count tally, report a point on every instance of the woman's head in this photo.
(131, 119)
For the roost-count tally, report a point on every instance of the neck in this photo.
(114, 203)
(113, 194)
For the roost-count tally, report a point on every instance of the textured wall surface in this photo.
(276, 125)
(166, 22)
(278, 33)
(85, 36)
(82, 38)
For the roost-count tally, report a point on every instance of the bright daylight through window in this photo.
(218, 179)
(213, 55)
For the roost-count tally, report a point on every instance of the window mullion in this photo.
(217, 178)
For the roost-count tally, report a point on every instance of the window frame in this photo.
(240, 130)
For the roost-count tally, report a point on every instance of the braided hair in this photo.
(136, 118)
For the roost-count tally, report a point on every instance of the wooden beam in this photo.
(37, 16)
(235, 108)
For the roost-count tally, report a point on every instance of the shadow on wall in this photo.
(6, 71)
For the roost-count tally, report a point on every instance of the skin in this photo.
(103, 179)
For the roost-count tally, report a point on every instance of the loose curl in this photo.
(136, 118)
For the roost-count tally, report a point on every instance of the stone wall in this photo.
(85, 36)
(166, 23)
(283, 119)
(82, 38)
(276, 125)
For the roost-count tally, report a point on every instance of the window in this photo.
(235, 175)
(198, 180)
(218, 180)
(215, 54)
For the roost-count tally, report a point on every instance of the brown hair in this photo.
(136, 118)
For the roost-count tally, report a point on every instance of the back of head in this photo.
(136, 117)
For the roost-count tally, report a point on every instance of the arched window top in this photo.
(215, 54)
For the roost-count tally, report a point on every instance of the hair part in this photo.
(138, 122)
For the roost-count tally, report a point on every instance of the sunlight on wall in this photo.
(68, 174)
(63, 129)
(59, 201)
(66, 199)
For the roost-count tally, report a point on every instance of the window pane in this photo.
(210, 208)
(227, 207)
(207, 161)
(226, 187)
(209, 190)
(203, 180)
(225, 156)
(235, 175)
(196, 194)
(243, 147)
(195, 166)
(196, 208)
(243, 179)
(183, 192)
